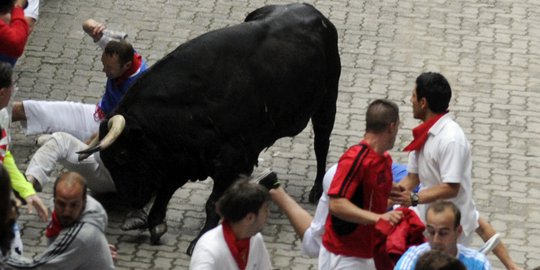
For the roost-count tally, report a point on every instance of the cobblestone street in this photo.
(489, 50)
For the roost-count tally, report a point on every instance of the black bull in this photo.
(213, 104)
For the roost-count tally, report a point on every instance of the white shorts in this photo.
(74, 118)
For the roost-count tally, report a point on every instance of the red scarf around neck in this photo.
(239, 248)
(421, 132)
(54, 227)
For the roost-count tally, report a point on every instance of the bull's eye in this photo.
(121, 157)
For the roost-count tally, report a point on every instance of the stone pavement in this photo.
(488, 49)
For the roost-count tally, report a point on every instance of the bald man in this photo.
(76, 229)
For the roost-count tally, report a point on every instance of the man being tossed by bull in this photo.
(78, 121)
(122, 66)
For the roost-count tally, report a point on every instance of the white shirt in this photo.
(32, 10)
(312, 241)
(446, 158)
(212, 252)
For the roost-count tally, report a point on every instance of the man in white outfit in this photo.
(61, 148)
(236, 243)
(440, 161)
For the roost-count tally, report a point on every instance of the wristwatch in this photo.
(414, 198)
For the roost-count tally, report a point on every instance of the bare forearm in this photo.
(345, 210)
(486, 231)
(300, 219)
(439, 192)
(409, 182)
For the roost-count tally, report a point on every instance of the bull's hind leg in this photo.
(324, 117)
(323, 123)
(322, 127)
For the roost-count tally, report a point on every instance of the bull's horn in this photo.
(115, 125)
(92, 147)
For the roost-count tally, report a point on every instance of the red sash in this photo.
(421, 132)
(238, 248)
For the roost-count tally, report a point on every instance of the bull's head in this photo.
(124, 153)
(116, 125)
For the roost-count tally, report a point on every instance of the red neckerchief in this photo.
(421, 132)
(54, 228)
(135, 65)
(99, 114)
(238, 248)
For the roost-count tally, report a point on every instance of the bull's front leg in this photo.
(212, 218)
(156, 218)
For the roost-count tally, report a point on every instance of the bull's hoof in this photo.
(315, 193)
(135, 220)
(156, 232)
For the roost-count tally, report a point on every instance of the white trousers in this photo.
(62, 147)
(74, 118)
(331, 261)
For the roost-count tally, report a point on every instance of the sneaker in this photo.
(268, 179)
(41, 140)
(135, 220)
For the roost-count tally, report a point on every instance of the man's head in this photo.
(382, 118)
(438, 260)
(432, 92)
(245, 203)
(6, 83)
(117, 58)
(443, 226)
(6, 6)
(69, 198)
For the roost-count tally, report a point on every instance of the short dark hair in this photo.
(438, 260)
(436, 89)
(123, 49)
(6, 205)
(6, 6)
(71, 178)
(6, 74)
(440, 206)
(241, 199)
(380, 114)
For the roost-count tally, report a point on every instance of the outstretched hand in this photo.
(34, 201)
